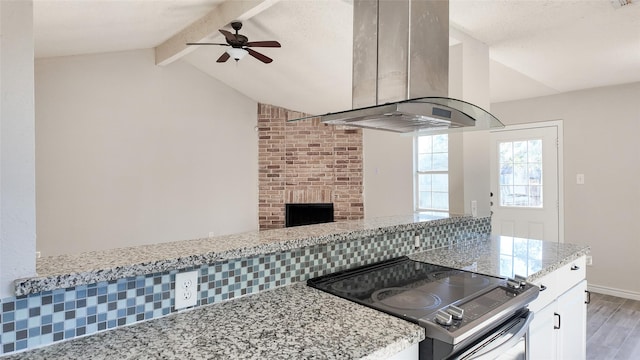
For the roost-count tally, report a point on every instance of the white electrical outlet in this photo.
(589, 260)
(211, 234)
(416, 241)
(186, 289)
(474, 208)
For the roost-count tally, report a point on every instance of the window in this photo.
(521, 173)
(432, 173)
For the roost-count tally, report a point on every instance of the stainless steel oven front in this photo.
(508, 341)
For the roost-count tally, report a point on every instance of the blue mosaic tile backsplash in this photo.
(44, 318)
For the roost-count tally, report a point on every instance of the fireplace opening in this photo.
(307, 214)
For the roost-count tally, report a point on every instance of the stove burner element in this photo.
(354, 286)
(467, 281)
(407, 299)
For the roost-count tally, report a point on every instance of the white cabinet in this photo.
(571, 316)
(410, 353)
(558, 329)
(542, 337)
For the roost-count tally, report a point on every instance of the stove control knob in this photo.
(455, 312)
(521, 279)
(444, 318)
(513, 284)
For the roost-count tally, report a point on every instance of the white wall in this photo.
(17, 153)
(601, 129)
(388, 173)
(131, 153)
(469, 81)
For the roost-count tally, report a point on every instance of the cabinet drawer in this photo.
(571, 274)
(549, 294)
(558, 281)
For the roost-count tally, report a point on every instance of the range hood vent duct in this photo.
(401, 71)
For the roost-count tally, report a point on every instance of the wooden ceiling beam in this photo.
(175, 47)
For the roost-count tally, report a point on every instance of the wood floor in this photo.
(613, 328)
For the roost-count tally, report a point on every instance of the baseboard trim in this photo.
(614, 292)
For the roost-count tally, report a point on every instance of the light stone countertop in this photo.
(505, 256)
(299, 322)
(292, 322)
(64, 271)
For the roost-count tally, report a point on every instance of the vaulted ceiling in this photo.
(537, 47)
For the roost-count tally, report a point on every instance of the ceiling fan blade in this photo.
(263, 44)
(229, 36)
(224, 57)
(265, 59)
(207, 44)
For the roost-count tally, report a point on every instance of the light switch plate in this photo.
(186, 289)
(580, 179)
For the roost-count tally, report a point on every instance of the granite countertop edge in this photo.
(564, 261)
(480, 254)
(113, 268)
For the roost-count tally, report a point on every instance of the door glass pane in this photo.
(520, 177)
(506, 153)
(519, 174)
(535, 151)
(519, 152)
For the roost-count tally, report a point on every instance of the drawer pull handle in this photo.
(575, 267)
(542, 288)
(588, 301)
(554, 326)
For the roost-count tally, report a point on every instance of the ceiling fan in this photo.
(241, 46)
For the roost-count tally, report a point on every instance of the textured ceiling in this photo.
(561, 45)
(73, 27)
(537, 47)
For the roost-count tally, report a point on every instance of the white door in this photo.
(524, 183)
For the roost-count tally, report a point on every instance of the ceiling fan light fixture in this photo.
(237, 53)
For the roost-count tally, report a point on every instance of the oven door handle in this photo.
(510, 342)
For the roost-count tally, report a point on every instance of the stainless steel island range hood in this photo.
(428, 113)
(401, 70)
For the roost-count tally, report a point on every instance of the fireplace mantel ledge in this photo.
(64, 271)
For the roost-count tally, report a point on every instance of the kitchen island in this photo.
(298, 322)
(83, 294)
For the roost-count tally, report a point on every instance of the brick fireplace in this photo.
(306, 162)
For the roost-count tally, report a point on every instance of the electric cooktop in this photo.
(451, 304)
